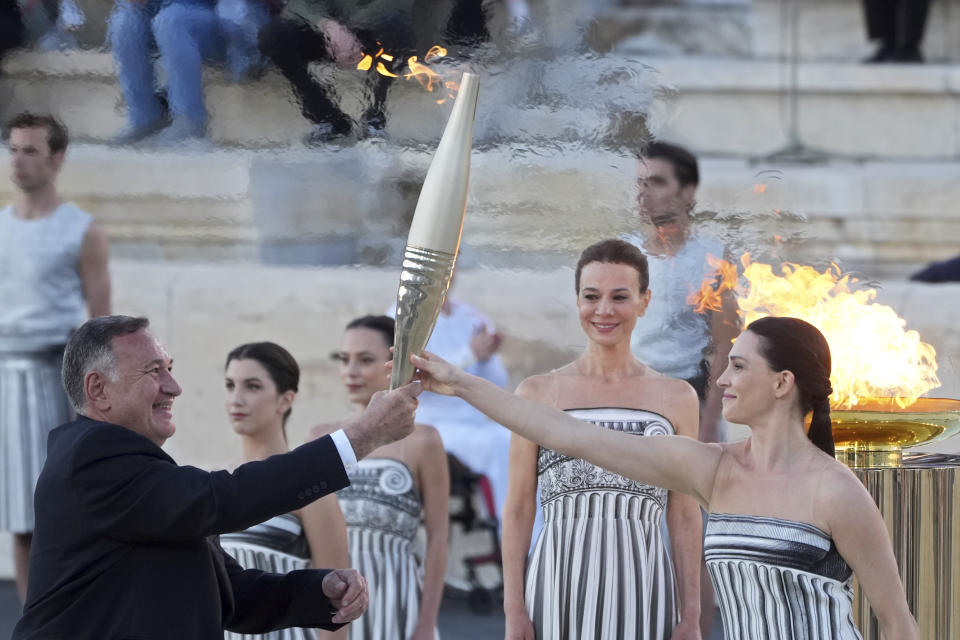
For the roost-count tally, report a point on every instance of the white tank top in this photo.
(671, 337)
(41, 295)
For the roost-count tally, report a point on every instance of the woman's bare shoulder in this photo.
(535, 386)
(541, 385)
(426, 434)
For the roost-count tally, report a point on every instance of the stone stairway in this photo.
(868, 155)
(827, 30)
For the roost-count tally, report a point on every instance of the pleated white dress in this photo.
(600, 568)
(778, 579)
(383, 509)
(278, 545)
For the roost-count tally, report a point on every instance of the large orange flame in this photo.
(873, 354)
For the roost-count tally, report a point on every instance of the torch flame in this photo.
(427, 77)
(872, 353)
(419, 71)
(382, 70)
(436, 51)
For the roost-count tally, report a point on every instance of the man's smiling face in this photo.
(140, 392)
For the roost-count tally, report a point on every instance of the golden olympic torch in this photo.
(434, 240)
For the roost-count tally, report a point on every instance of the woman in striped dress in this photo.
(390, 492)
(788, 524)
(261, 385)
(600, 568)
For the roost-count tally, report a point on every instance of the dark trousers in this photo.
(896, 23)
(11, 29)
(292, 44)
(467, 24)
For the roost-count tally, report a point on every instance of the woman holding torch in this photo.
(390, 492)
(789, 525)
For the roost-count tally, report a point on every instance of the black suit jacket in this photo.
(122, 546)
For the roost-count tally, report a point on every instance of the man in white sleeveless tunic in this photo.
(53, 263)
(673, 338)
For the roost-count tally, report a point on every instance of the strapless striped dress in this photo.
(778, 580)
(278, 545)
(600, 568)
(383, 509)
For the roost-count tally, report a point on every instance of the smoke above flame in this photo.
(873, 353)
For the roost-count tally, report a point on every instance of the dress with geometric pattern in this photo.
(278, 545)
(600, 568)
(778, 579)
(383, 510)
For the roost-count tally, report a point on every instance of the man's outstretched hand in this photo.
(347, 590)
(388, 418)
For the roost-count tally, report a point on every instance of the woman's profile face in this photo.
(748, 383)
(610, 301)
(253, 403)
(362, 354)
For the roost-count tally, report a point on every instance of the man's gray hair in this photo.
(90, 348)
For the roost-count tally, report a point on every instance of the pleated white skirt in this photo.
(32, 403)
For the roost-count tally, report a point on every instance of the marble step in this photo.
(744, 108)
(527, 206)
(756, 108)
(827, 30)
(675, 27)
(834, 30)
(592, 98)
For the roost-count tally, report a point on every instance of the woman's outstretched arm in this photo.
(676, 463)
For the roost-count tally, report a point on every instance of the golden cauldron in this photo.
(919, 500)
(875, 432)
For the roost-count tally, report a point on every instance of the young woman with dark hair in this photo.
(261, 386)
(390, 492)
(789, 525)
(600, 567)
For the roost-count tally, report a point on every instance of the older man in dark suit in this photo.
(124, 544)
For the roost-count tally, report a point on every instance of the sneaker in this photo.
(375, 126)
(909, 54)
(57, 39)
(180, 130)
(884, 53)
(324, 133)
(132, 135)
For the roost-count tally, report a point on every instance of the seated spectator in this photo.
(185, 33)
(336, 31)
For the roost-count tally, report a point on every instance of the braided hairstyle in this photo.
(791, 344)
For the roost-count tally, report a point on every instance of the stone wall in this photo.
(202, 311)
